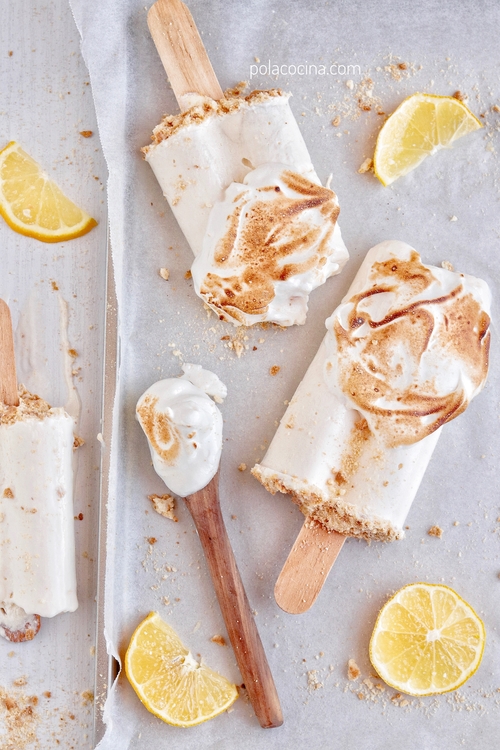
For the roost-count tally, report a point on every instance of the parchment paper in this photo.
(448, 210)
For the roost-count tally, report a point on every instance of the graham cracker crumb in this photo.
(188, 275)
(30, 405)
(164, 273)
(366, 166)
(78, 442)
(86, 133)
(336, 121)
(312, 680)
(274, 370)
(219, 639)
(19, 720)
(495, 108)
(353, 671)
(164, 505)
(231, 102)
(8, 493)
(460, 96)
(435, 531)
(242, 467)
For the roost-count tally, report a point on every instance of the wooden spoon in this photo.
(9, 395)
(205, 509)
(306, 568)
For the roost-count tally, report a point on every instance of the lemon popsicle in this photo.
(37, 548)
(239, 179)
(405, 352)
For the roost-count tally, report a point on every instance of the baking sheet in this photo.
(56, 293)
(448, 210)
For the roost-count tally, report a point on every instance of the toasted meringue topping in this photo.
(269, 243)
(184, 429)
(409, 349)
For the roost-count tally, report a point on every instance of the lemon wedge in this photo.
(420, 126)
(34, 205)
(169, 681)
(427, 640)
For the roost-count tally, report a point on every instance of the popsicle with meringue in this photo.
(37, 546)
(239, 179)
(405, 352)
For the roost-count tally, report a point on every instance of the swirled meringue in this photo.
(184, 429)
(270, 241)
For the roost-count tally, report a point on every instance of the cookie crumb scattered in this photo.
(366, 166)
(436, 531)
(460, 96)
(312, 680)
(164, 505)
(495, 108)
(219, 639)
(274, 370)
(336, 121)
(164, 273)
(78, 442)
(453, 218)
(447, 265)
(242, 467)
(238, 348)
(87, 133)
(353, 671)
(188, 275)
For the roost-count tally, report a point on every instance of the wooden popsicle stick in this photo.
(182, 52)
(8, 380)
(306, 568)
(205, 509)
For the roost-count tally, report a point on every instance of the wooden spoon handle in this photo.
(306, 568)
(182, 52)
(205, 509)
(8, 379)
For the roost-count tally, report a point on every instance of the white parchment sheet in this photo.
(448, 210)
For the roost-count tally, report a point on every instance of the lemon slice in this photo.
(34, 205)
(421, 125)
(427, 640)
(169, 681)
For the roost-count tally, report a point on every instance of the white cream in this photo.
(206, 381)
(338, 466)
(270, 241)
(37, 547)
(184, 429)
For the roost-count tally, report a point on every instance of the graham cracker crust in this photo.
(328, 510)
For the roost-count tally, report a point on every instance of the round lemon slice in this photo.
(427, 640)
(169, 681)
(421, 125)
(34, 205)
